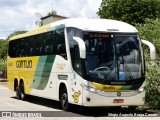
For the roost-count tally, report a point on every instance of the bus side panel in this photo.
(75, 89)
(47, 83)
(21, 68)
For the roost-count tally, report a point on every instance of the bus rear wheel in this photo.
(18, 93)
(64, 100)
(23, 95)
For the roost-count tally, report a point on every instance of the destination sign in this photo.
(99, 35)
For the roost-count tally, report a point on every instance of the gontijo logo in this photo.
(24, 63)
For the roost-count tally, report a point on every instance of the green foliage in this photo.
(153, 85)
(3, 69)
(130, 11)
(151, 31)
(3, 49)
(15, 33)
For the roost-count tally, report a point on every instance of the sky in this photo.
(21, 14)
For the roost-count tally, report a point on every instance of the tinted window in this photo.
(49, 43)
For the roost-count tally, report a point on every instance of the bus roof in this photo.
(105, 25)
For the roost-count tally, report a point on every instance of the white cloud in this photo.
(20, 14)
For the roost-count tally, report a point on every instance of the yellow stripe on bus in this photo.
(109, 88)
(33, 32)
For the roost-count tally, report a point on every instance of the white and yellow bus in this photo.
(87, 62)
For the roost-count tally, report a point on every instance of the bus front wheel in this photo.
(64, 100)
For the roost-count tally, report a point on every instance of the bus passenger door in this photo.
(76, 78)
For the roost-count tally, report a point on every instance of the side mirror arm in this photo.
(152, 49)
(82, 47)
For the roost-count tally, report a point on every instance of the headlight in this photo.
(141, 89)
(91, 89)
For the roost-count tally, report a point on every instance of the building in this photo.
(51, 18)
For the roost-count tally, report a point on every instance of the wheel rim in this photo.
(18, 93)
(64, 100)
(22, 95)
(22, 91)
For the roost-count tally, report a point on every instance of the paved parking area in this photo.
(37, 107)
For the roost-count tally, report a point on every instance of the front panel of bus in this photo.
(113, 67)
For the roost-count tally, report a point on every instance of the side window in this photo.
(74, 50)
(49, 43)
(49, 38)
(31, 46)
(27, 44)
(60, 43)
(14, 48)
(22, 48)
(39, 44)
(11, 49)
(54, 43)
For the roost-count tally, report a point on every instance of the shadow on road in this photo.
(88, 111)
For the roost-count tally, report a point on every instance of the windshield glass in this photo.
(100, 55)
(109, 56)
(113, 56)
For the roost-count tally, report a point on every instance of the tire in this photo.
(64, 100)
(23, 95)
(116, 108)
(132, 107)
(18, 93)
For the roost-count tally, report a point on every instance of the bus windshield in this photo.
(111, 56)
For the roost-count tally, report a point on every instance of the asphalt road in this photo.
(49, 109)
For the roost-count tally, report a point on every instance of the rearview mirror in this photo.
(152, 49)
(82, 47)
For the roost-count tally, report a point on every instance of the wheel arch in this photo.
(21, 81)
(62, 85)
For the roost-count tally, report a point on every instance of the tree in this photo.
(15, 33)
(150, 31)
(130, 11)
(3, 50)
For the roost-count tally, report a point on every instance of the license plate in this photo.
(118, 100)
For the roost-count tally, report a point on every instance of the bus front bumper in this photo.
(97, 99)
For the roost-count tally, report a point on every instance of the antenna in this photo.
(52, 7)
(53, 11)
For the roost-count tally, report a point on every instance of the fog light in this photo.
(141, 89)
(88, 99)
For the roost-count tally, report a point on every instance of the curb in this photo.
(3, 80)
